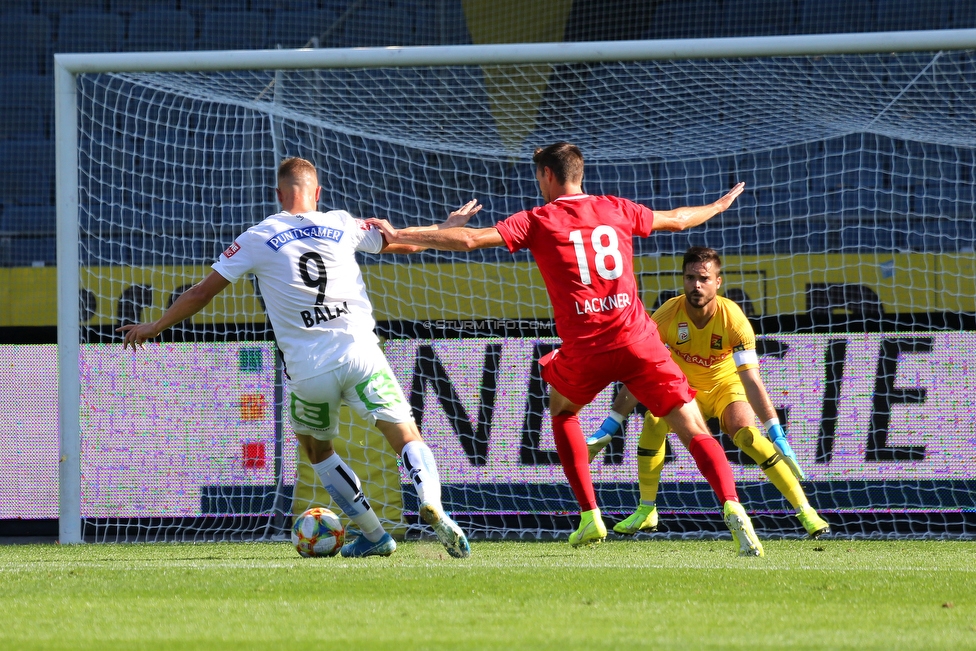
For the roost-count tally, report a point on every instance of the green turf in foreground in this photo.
(820, 595)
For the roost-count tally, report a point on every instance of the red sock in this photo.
(711, 461)
(574, 456)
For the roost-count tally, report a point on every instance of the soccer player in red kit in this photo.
(584, 249)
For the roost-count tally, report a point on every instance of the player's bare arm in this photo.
(189, 303)
(448, 239)
(756, 394)
(758, 398)
(456, 219)
(685, 217)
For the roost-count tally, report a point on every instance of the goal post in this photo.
(852, 251)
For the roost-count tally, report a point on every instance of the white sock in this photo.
(422, 470)
(346, 491)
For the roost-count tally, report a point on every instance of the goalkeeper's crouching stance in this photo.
(713, 343)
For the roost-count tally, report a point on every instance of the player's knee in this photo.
(745, 438)
(654, 432)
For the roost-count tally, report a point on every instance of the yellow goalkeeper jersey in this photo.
(725, 345)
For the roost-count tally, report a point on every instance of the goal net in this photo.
(851, 250)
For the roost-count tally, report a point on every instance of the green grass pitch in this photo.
(831, 594)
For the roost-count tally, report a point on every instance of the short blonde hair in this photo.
(299, 170)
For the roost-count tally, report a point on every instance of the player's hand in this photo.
(136, 334)
(461, 216)
(386, 228)
(778, 436)
(601, 438)
(726, 201)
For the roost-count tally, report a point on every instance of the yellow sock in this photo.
(650, 456)
(763, 452)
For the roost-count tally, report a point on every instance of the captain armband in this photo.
(744, 357)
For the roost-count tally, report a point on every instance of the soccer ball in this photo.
(318, 532)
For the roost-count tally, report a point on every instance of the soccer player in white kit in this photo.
(314, 294)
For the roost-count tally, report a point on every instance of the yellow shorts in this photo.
(714, 401)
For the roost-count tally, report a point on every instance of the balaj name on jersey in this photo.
(322, 314)
(295, 234)
(603, 304)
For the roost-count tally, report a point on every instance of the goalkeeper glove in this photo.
(601, 438)
(778, 436)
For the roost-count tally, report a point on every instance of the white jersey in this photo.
(311, 284)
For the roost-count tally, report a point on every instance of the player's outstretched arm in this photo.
(443, 237)
(189, 303)
(690, 216)
(763, 406)
(456, 219)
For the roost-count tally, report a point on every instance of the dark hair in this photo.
(702, 254)
(295, 169)
(564, 159)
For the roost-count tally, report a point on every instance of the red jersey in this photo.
(583, 245)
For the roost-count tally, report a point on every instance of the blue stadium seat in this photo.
(26, 106)
(18, 7)
(234, 30)
(90, 31)
(962, 14)
(36, 220)
(292, 29)
(297, 5)
(200, 7)
(129, 7)
(28, 178)
(908, 15)
(835, 16)
(381, 23)
(25, 43)
(55, 8)
(441, 23)
(752, 18)
(160, 29)
(33, 252)
(686, 19)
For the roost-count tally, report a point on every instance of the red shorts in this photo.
(646, 368)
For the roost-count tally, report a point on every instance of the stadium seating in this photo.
(297, 28)
(18, 6)
(28, 172)
(160, 29)
(25, 43)
(52, 9)
(841, 181)
(686, 19)
(835, 16)
(381, 23)
(129, 7)
(90, 31)
(26, 104)
(751, 18)
(234, 30)
(962, 14)
(271, 6)
(34, 220)
(901, 15)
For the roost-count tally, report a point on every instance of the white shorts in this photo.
(365, 383)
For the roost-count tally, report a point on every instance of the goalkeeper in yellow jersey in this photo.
(714, 344)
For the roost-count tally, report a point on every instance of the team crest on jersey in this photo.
(683, 334)
(232, 249)
(716, 342)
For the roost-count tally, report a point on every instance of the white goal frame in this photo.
(68, 66)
